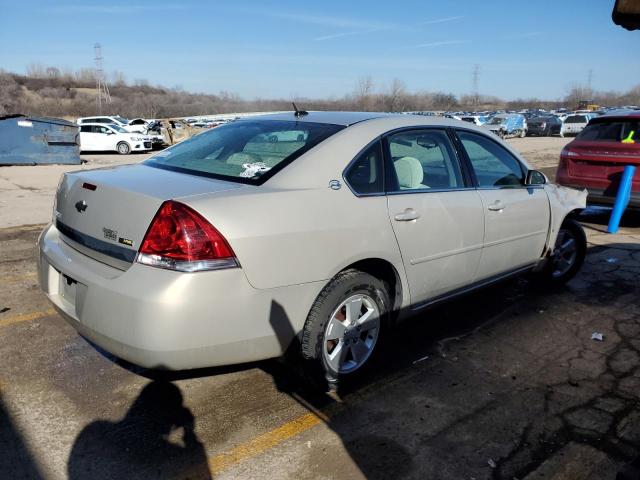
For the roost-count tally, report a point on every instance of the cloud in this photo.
(441, 20)
(440, 43)
(110, 9)
(325, 21)
(381, 28)
(523, 35)
(348, 34)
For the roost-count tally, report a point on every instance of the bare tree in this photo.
(396, 97)
(363, 94)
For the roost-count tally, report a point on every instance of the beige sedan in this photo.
(322, 227)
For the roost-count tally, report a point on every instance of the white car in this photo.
(110, 120)
(230, 246)
(574, 124)
(139, 125)
(96, 137)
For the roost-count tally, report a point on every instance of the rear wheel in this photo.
(123, 148)
(345, 322)
(568, 253)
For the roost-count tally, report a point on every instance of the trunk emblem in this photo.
(81, 206)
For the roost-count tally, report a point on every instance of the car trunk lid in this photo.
(602, 160)
(105, 213)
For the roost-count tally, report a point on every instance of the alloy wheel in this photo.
(565, 254)
(351, 333)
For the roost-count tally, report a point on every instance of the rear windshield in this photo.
(245, 151)
(576, 119)
(612, 131)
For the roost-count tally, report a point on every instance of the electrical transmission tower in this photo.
(476, 79)
(101, 82)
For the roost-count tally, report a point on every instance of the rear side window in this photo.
(493, 165)
(576, 119)
(244, 151)
(423, 159)
(612, 131)
(365, 176)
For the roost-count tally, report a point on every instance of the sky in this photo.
(285, 49)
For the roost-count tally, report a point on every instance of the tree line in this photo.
(50, 91)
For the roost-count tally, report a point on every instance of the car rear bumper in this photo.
(170, 320)
(598, 196)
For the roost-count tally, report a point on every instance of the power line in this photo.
(476, 81)
(101, 83)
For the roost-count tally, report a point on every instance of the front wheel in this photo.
(123, 148)
(523, 133)
(345, 322)
(568, 253)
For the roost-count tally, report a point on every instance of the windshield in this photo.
(612, 131)
(121, 120)
(496, 121)
(117, 128)
(246, 151)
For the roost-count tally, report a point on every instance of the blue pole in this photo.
(622, 198)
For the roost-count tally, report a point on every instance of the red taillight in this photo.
(179, 238)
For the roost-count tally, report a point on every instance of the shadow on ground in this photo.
(488, 386)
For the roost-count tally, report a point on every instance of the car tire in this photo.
(523, 133)
(123, 148)
(566, 261)
(345, 322)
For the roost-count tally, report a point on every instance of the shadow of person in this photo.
(155, 439)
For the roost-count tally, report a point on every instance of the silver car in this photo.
(325, 227)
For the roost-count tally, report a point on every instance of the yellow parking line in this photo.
(263, 442)
(25, 317)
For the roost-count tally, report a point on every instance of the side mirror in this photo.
(534, 177)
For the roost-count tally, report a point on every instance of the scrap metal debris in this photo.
(597, 336)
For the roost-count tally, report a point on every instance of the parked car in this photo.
(139, 125)
(545, 126)
(99, 137)
(475, 119)
(596, 158)
(575, 123)
(507, 125)
(115, 120)
(227, 246)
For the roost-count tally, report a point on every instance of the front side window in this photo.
(246, 151)
(85, 129)
(493, 165)
(365, 175)
(423, 159)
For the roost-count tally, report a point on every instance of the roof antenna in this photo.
(299, 113)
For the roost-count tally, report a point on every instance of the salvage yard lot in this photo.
(504, 383)
(26, 193)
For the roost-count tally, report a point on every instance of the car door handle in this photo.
(408, 215)
(496, 206)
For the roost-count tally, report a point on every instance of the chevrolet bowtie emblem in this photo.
(81, 206)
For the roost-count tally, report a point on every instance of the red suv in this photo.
(596, 158)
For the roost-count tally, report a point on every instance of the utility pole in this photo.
(589, 80)
(476, 79)
(101, 83)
